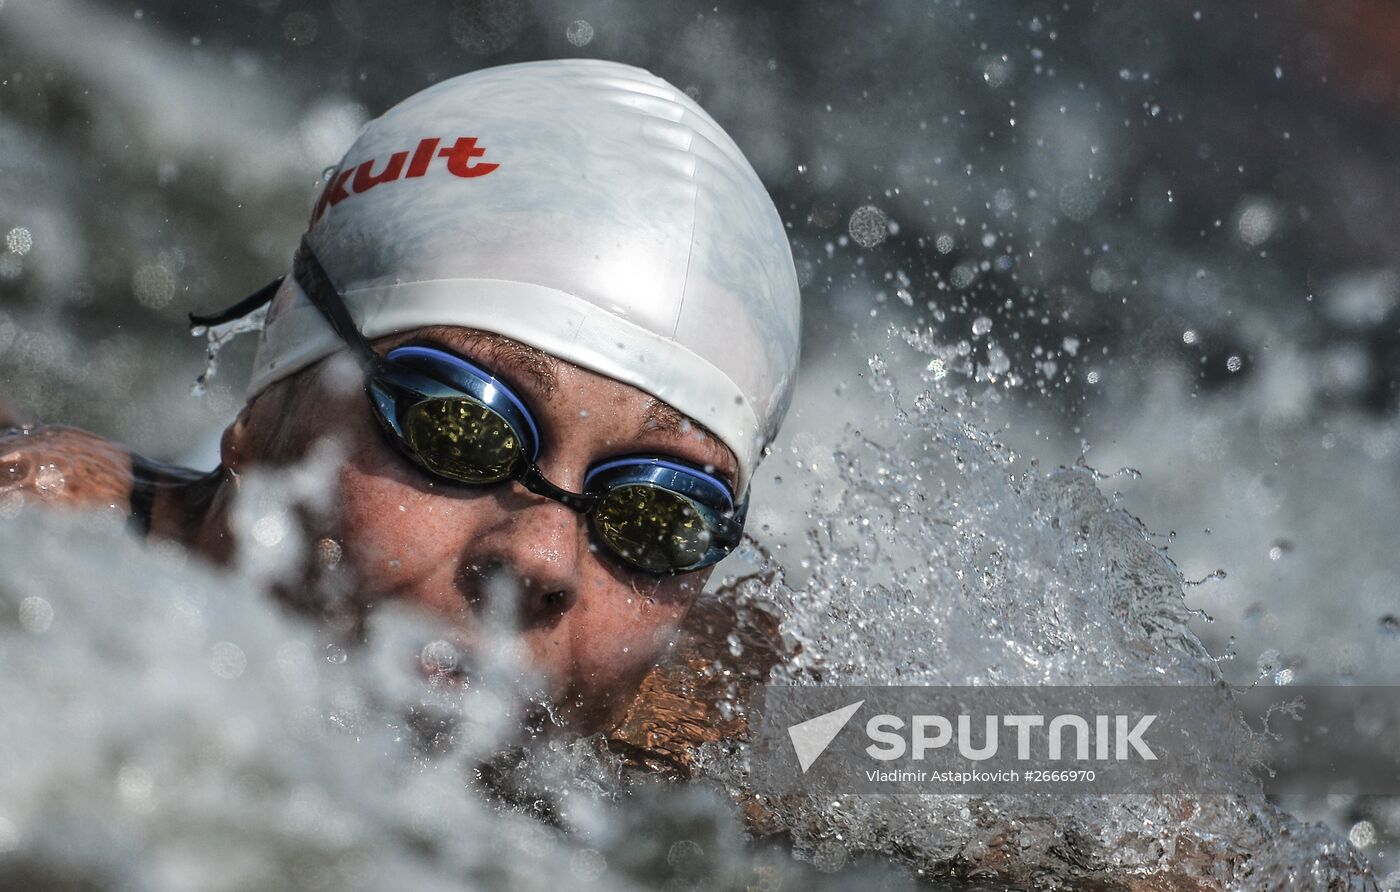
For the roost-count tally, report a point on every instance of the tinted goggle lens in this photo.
(653, 524)
(463, 440)
(652, 528)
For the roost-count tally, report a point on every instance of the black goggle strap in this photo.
(319, 289)
(311, 276)
(245, 306)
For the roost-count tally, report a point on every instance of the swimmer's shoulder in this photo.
(688, 701)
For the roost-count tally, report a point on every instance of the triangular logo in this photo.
(811, 738)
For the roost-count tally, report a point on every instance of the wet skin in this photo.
(586, 625)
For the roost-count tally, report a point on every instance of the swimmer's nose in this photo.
(502, 596)
(526, 566)
(525, 560)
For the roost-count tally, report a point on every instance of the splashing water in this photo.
(218, 336)
(168, 726)
(940, 561)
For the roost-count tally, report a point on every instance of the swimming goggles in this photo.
(462, 425)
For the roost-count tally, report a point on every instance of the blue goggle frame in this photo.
(412, 374)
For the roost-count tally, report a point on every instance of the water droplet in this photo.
(996, 71)
(1257, 223)
(19, 240)
(227, 660)
(270, 529)
(35, 615)
(579, 33)
(830, 856)
(135, 786)
(685, 856)
(49, 480)
(588, 864)
(1362, 834)
(440, 656)
(328, 552)
(869, 226)
(153, 285)
(1269, 662)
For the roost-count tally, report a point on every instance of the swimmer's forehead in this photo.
(539, 372)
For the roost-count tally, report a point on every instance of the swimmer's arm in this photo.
(71, 468)
(65, 466)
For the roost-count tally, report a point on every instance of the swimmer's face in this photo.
(586, 624)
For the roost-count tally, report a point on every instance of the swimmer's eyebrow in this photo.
(660, 416)
(496, 350)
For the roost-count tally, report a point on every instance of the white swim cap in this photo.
(586, 208)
